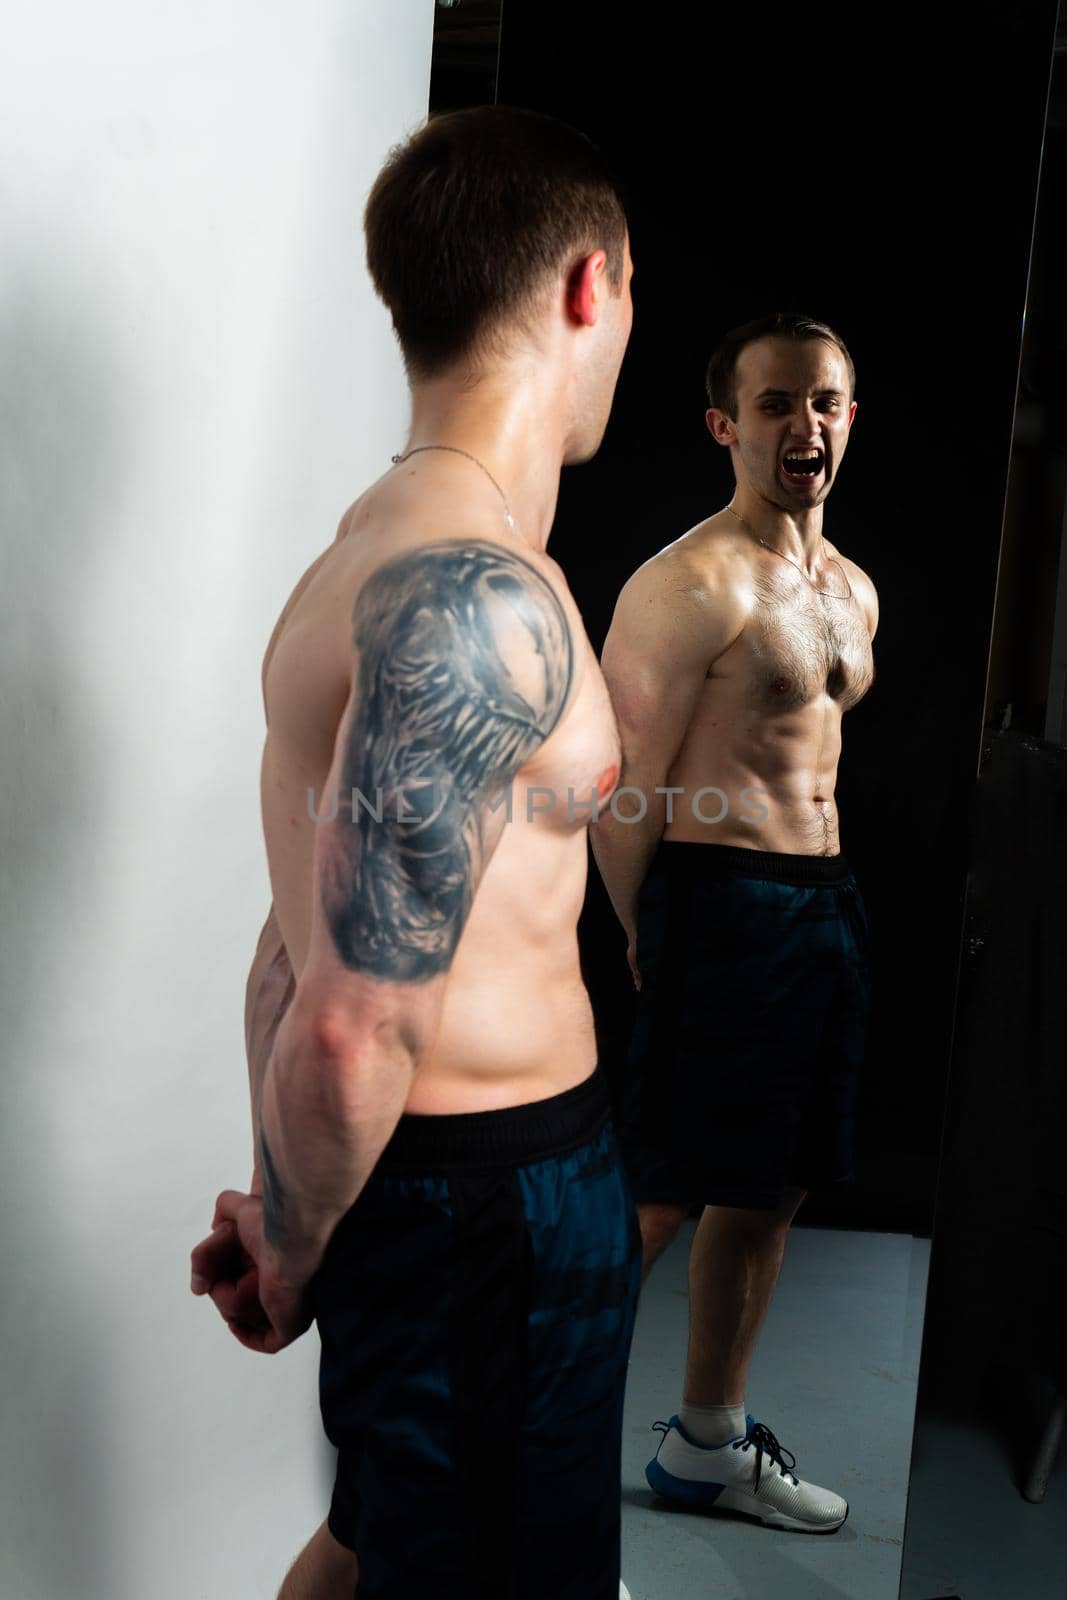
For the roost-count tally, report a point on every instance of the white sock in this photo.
(712, 1425)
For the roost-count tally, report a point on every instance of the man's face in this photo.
(794, 413)
(596, 390)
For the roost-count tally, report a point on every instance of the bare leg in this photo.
(659, 1224)
(733, 1268)
(324, 1570)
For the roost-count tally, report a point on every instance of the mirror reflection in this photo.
(750, 551)
(852, 191)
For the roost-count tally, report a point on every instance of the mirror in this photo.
(988, 1509)
(853, 167)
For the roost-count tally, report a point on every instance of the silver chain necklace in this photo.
(456, 451)
(829, 593)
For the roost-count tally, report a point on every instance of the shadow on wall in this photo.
(60, 454)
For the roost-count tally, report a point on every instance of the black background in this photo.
(877, 169)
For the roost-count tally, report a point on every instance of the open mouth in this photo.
(802, 466)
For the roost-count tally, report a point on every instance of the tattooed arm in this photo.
(462, 667)
(220, 1265)
(270, 985)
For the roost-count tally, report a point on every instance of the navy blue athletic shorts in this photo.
(475, 1307)
(750, 1029)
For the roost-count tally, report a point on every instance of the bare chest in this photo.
(799, 645)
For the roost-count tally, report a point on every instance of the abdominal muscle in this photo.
(769, 781)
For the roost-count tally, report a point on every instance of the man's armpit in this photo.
(465, 664)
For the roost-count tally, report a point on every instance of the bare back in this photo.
(764, 737)
(516, 1024)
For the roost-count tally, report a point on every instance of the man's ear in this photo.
(720, 426)
(585, 287)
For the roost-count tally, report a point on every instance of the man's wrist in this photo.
(292, 1266)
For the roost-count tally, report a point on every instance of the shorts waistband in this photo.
(734, 861)
(511, 1136)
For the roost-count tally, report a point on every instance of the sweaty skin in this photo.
(515, 1024)
(766, 723)
(735, 652)
(438, 730)
(730, 676)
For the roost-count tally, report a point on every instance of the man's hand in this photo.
(232, 1265)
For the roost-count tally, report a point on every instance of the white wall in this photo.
(196, 381)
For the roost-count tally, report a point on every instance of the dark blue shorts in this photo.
(475, 1307)
(750, 1029)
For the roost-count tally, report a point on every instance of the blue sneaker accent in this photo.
(775, 1497)
(683, 1489)
(672, 1488)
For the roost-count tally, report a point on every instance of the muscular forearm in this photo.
(268, 994)
(623, 851)
(331, 1100)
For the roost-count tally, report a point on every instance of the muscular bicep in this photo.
(663, 639)
(462, 666)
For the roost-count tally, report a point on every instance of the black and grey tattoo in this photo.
(273, 1196)
(465, 665)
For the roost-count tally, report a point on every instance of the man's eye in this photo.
(829, 405)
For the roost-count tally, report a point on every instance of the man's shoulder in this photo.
(855, 571)
(687, 603)
(704, 566)
(386, 574)
(461, 608)
(373, 548)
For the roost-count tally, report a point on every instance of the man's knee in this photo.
(759, 1223)
(659, 1224)
(324, 1570)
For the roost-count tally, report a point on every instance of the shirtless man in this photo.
(732, 657)
(435, 1170)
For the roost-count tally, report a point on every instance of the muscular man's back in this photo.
(516, 1024)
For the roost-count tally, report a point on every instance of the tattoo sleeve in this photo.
(464, 667)
(273, 1196)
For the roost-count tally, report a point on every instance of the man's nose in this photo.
(806, 425)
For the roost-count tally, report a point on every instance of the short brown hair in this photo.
(722, 368)
(469, 217)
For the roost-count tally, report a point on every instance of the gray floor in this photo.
(970, 1532)
(834, 1377)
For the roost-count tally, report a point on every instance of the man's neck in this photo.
(797, 534)
(511, 422)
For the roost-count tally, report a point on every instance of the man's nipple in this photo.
(605, 786)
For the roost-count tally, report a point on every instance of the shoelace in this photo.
(765, 1444)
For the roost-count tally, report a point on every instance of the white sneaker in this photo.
(745, 1474)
